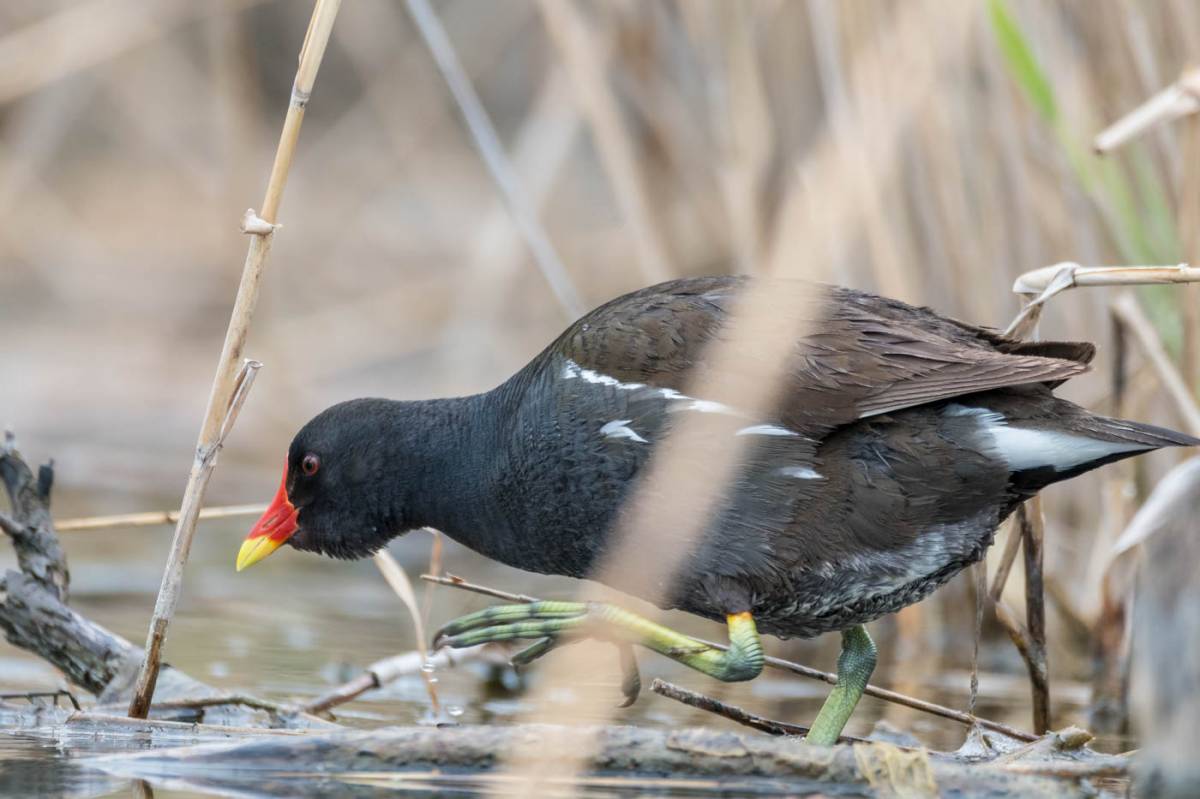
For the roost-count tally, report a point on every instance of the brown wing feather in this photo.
(864, 355)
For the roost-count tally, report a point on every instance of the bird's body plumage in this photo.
(900, 441)
(876, 465)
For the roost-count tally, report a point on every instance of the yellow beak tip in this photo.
(255, 549)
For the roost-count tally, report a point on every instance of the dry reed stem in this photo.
(151, 518)
(399, 582)
(225, 394)
(1188, 226)
(895, 697)
(1126, 309)
(498, 164)
(585, 63)
(1039, 280)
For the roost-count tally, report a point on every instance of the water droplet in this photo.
(427, 667)
(454, 710)
(432, 680)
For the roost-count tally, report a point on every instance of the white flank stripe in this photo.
(766, 430)
(801, 472)
(620, 429)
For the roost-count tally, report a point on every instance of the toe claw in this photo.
(631, 678)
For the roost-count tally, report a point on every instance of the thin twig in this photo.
(229, 387)
(1127, 311)
(1011, 545)
(784, 665)
(31, 695)
(454, 581)
(731, 712)
(1029, 521)
(151, 518)
(495, 159)
(242, 700)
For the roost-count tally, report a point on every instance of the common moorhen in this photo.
(901, 441)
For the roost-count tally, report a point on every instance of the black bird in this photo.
(901, 440)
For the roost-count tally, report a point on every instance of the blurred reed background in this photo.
(657, 139)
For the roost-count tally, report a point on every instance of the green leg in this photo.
(855, 665)
(559, 621)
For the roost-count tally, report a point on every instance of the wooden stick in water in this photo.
(229, 386)
(731, 712)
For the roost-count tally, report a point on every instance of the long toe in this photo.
(507, 614)
(538, 628)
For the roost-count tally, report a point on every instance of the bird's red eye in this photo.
(310, 464)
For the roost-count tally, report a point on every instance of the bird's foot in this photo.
(551, 624)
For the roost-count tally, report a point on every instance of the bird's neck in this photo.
(445, 457)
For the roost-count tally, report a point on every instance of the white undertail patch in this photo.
(1027, 448)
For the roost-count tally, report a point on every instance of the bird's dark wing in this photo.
(856, 355)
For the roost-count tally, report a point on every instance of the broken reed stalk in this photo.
(227, 390)
(152, 518)
(895, 697)
(1049, 281)
(398, 581)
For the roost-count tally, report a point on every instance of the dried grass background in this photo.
(133, 135)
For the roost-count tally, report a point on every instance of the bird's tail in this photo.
(1098, 440)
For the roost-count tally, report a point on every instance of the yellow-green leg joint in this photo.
(742, 661)
(556, 622)
(855, 665)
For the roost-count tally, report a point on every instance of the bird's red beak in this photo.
(276, 525)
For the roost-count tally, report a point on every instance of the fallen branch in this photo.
(437, 758)
(34, 615)
(785, 665)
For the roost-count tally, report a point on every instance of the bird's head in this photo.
(338, 493)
